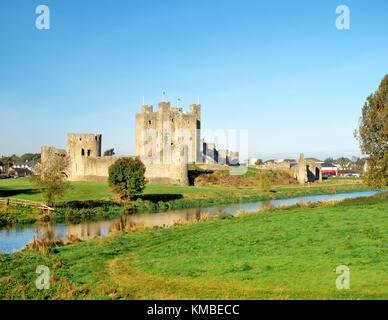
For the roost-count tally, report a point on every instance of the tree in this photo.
(329, 160)
(8, 162)
(30, 157)
(259, 162)
(126, 177)
(50, 178)
(373, 135)
(343, 162)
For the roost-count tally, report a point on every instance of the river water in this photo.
(16, 237)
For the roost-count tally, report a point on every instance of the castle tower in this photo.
(80, 147)
(180, 174)
(158, 133)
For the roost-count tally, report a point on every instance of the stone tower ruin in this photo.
(81, 147)
(162, 133)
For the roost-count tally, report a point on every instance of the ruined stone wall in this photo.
(167, 174)
(301, 170)
(307, 170)
(234, 157)
(228, 157)
(92, 168)
(210, 153)
(46, 153)
(284, 165)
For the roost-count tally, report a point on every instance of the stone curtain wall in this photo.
(93, 168)
(97, 169)
(46, 153)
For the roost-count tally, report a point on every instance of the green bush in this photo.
(126, 177)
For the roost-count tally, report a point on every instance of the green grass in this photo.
(81, 191)
(22, 189)
(280, 254)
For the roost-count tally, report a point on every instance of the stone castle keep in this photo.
(166, 141)
(159, 133)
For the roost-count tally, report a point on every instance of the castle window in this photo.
(80, 139)
(82, 152)
(149, 122)
(89, 153)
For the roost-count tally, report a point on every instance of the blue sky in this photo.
(280, 69)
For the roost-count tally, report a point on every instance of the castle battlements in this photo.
(166, 107)
(84, 137)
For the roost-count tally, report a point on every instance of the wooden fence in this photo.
(25, 203)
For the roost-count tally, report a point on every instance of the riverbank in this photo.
(93, 201)
(277, 254)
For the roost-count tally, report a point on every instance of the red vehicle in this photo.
(329, 170)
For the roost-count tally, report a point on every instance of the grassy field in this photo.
(280, 254)
(81, 191)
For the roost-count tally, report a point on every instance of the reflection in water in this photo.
(15, 238)
(161, 219)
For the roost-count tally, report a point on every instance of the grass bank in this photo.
(94, 200)
(279, 254)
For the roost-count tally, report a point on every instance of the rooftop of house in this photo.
(28, 164)
(328, 165)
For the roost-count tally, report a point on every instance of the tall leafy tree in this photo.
(373, 135)
(343, 162)
(30, 157)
